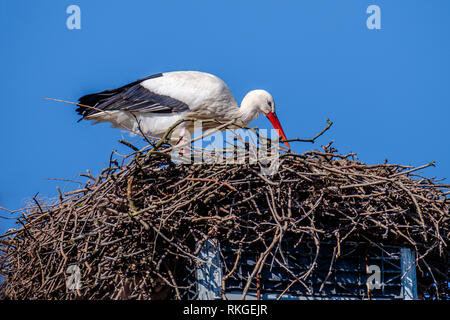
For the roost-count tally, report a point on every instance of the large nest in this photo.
(136, 229)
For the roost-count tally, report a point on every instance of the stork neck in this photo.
(247, 113)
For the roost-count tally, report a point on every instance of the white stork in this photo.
(154, 104)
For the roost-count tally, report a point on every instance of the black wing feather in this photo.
(131, 97)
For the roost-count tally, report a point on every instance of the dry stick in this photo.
(330, 269)
(327, 154)
(357, 185)
(37, 202)
(140, 129)
(213, 180)
(61, 197)
(436, 286)
(415, 169)
(169, 131)
(312, 140)
(230, 273)
(86, 106)
(306, 274)
(195, 139)
(129, 145)
(177, 291)
(260, 263)
(419, 211)
(299, 279)
(289, 286)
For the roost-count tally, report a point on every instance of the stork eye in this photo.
(269, 103)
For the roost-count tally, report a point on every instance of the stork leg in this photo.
(181, 141)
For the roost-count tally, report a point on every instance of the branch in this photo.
(312, 140)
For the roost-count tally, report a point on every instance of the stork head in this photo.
(260, 101)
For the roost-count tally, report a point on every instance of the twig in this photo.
(312, 140)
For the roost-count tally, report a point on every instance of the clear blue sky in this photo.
(387, 90)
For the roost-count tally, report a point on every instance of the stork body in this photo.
(153, 104)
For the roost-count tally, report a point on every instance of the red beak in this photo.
(276, 124)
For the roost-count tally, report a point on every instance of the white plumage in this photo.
(154, 104)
